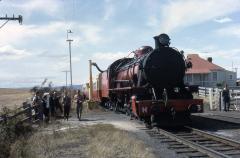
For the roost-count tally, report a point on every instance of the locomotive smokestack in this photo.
(157, 44)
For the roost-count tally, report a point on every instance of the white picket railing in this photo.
(215, 97)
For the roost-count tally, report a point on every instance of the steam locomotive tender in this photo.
(150, 85)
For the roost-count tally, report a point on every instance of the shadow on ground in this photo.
(212, 124)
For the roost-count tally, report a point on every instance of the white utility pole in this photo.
(66, 72)
(70, 54)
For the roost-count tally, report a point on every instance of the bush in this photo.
(10, 131)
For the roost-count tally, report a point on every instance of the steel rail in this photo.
(198, 147)
(214, 137)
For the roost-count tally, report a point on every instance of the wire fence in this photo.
(25, 114)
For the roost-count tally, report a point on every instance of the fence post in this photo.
(29, 113)
(211, 98)
(220, 100)
(4, 118)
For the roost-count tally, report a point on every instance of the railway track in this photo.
(194, 143)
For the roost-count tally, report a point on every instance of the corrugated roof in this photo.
(200, 65)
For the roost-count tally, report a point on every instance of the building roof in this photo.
(200, 65)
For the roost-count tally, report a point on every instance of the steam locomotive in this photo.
(149, 86)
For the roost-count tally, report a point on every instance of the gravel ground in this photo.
(225, 129)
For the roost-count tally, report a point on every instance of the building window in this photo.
(214, 76)
(230, 77)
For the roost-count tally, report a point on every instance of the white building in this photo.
(207, 74)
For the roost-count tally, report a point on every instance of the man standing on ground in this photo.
(46, 105)
(78, 99)
(52, 105)
(37, 104)
(226, 98)
(66, 105)
(56, 102)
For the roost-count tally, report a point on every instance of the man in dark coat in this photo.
(78, 99)
(56, 102)
(52, 104)
(37, 104)
(226, 98)
(66, 105)
(46, 105)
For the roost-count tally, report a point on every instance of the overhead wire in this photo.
(4, 24)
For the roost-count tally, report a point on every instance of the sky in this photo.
(105, 30)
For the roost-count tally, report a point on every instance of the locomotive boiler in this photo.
(150, 85)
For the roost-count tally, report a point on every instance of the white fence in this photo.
(215, 98)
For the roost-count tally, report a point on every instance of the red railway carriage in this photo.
(150, 85)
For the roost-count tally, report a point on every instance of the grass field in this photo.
(96, 141)
(13, 98)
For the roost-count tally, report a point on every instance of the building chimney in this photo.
(209, 59)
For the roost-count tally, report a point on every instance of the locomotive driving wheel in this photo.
(148, 122)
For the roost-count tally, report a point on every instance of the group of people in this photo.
(46, 105)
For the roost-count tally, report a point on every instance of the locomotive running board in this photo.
(126, 89)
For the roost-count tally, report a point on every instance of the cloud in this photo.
(109, 10)
(183, 13)
(8, 52)
(230, 30)
(90, 33)
(23, 81)
(62, 63)
(50, 7)
(85, 33)
(223, 20)
(17, 33)
(109, 55)
(152, 21)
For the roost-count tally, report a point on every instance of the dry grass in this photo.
(13, 98)
(9, 133)
(97, 141)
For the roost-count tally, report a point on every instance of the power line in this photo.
(4, 24)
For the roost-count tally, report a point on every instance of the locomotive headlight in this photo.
(195, 108)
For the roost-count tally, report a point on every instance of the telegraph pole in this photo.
(66, 72)
(70, 54)
(13, 18)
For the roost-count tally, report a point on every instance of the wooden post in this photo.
(90, 80)
(220, 101)
(205, 91)
(211, 98)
